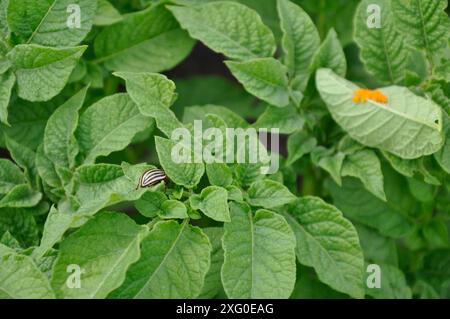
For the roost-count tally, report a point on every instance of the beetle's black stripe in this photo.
(154, 179)
(152, 175)
(148, 179)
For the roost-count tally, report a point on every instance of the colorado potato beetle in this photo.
(152, 177)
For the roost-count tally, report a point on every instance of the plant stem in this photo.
(321, 20)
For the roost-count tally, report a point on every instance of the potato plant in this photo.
(93, 203)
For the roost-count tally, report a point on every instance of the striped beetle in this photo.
(152, 177)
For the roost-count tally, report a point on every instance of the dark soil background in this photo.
(201, 61)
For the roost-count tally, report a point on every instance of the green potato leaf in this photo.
(20, 278)
(300, 39)
(330, 161)
(106, 14)
(330, 55)
(435, 268)
(259, 254)
(389, 218)
(20, 196)
(265, 78)
(269, 194)
(20, 223)
(408, 126)
(213, 284)
(383, 49)
(168, 246)
(7, 81)
(103, 249)
(55, 23)
(213, 202)
(219, 174)
(216, 25)
(42, 72)
(393, 284)
(173, 209)
(150, 203)
(60, 145)
(424, 22)
(10, 176)
(443, 156)
(365, 165)
(28, 121)
(109, 125)
(299, 144)
(184, 174)
(145, 41)
(154, 94)
(286, 119)
(326, 240)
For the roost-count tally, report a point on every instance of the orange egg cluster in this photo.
(362, 95)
